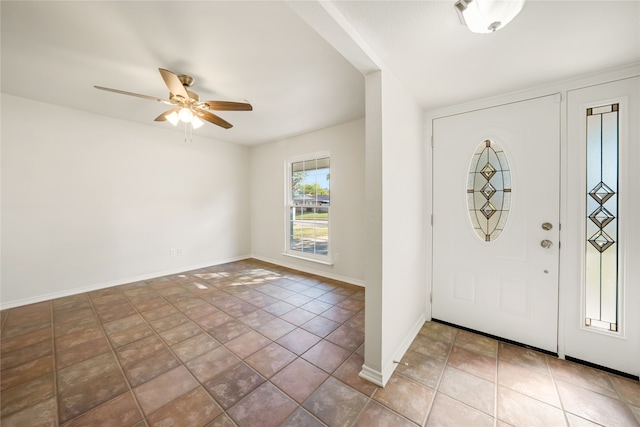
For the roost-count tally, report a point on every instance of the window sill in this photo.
(318, 261)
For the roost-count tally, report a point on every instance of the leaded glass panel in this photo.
(489, 190)
(601, 256)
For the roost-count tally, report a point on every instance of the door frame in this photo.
(560, 87)
(576, 333)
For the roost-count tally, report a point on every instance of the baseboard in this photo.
(311, 271)
(117, 282)
(392, 364)
(381, 378)
(371, 375)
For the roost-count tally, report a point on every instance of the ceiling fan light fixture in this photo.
(196, 122)
(186, 115)
(173, 118)
(487, 16)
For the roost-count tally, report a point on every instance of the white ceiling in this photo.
(267, 54)
(442, 63)
(262, 52)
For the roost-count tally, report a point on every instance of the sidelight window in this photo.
(601, 287)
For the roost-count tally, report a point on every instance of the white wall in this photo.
(345, 144)
(404, 258)
(89, 201)
(396, 225)
(372, 368)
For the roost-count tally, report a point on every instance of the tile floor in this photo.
(253, 344)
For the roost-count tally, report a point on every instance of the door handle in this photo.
(546, 243)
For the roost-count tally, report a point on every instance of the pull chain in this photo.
(190, 133)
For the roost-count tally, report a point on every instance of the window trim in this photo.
(288, 204)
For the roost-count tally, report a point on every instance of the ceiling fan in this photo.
(186, 104)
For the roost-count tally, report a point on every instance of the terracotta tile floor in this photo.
(253, 344)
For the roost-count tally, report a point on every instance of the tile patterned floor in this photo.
(253, 344)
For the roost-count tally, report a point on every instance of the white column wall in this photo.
(373, 343)
(396, 225)
(404, 226)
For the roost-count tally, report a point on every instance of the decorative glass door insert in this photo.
(601, 287)
(489, 190)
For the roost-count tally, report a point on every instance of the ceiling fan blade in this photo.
(173, 83)
(124, 92)
(163, 117)
(228, 106)
(212, 118)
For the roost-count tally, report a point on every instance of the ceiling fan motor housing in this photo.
(186, 80)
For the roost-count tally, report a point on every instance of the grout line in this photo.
(170, 349)
(115, 356)
(357, 417)
(621, 397)
(496, 386)
(555, 387)
(242, 360)
(54, 360)
(439, 382)
(4, 314)
(121, 291)
(144, 285)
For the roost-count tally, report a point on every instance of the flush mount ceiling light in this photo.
(487, 16)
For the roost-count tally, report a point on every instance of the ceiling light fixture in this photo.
(487, 16)
(173, 118)
(184, 115)
(196, 122)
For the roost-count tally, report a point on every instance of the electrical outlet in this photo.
(172, 252)
(336, 257)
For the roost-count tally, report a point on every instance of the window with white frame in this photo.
(308, 206)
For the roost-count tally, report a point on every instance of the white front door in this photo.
(505, 285)
(601, 247)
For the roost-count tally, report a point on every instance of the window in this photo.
(308, 206)
(601, 287)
